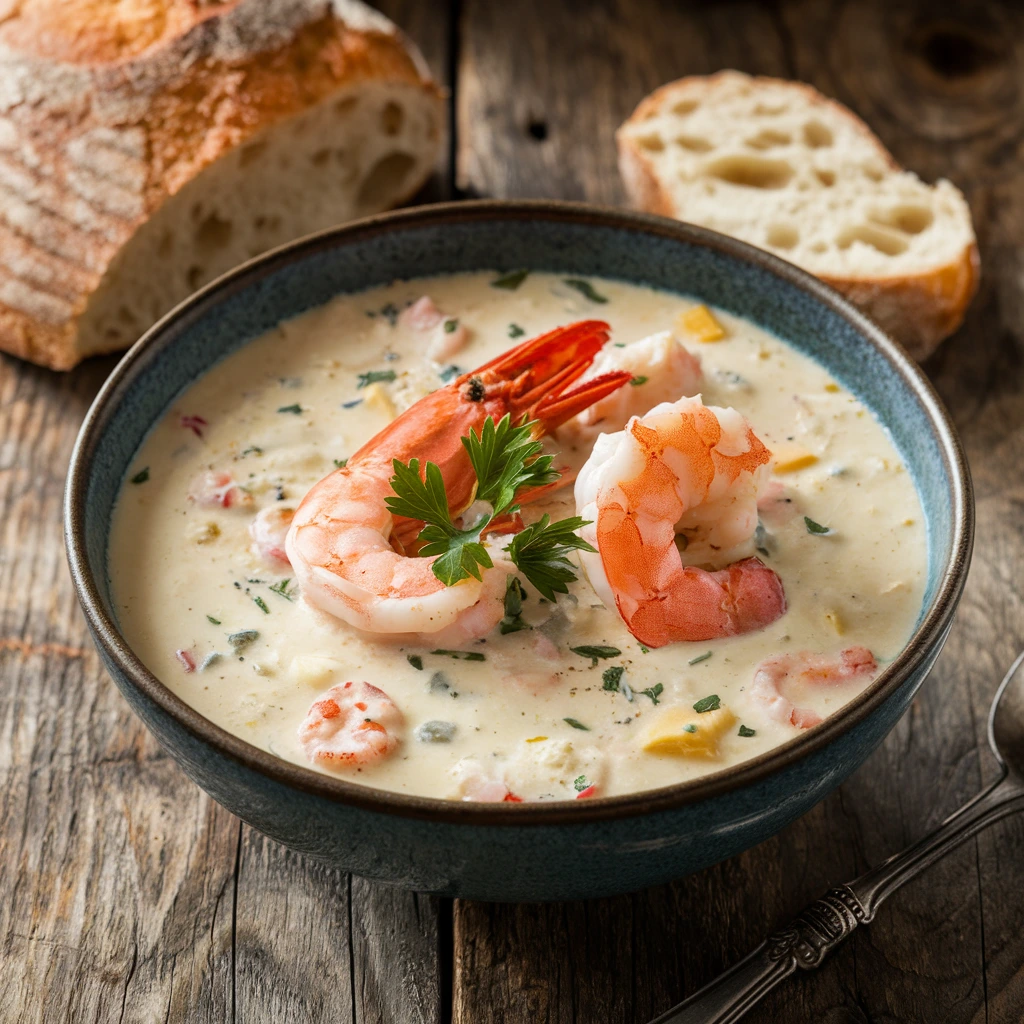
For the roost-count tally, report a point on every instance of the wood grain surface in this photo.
(127, 895)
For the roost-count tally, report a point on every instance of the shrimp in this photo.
(688, 468)
(351, 555)
(351, 724)
(447, 335)
(268, 530)
(662, 369)
(775, 672)
(218, 488)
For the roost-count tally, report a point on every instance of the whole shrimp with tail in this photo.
(356, 560)
(689, 470)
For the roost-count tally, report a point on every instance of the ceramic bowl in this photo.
(562, 850)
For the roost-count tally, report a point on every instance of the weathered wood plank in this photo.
(930, 82)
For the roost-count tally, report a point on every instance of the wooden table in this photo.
(127, 895)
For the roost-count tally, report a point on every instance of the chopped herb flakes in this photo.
(261, 604)
(711, 703)
(142, 476)
(352, 404)
(389, 311)
(375, 377)
(450, 373)
(576, 724)
(340, 463)
(216, 622)
(700, 658)
(512, 622)
(580, 783)
(438, 683)
(463, 655)
(816, 528)
(242, 639)
(585, 288)
(451, 326)
(435, 732)
(646, 650)
(252, 449)
(620, 344)
(744, 731)
(654, 692)
(762, 540)
(690, 728)
(611, 677)
(515, 331)
(415, 660)
(295, 410)
(281, 589)
(637, 381)
(510, 281)
(595, 651)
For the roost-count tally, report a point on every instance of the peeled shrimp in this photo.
(351, 724)
(687, 468)
(351, 556)
(662, 368)
(268, 530)
(776, 672)
(445, 335)
(218, 488)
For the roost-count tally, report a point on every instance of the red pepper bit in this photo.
(194, 423)
(187, 660)
(511, 798)
(584, 793)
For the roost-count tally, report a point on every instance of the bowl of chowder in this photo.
(518, 550)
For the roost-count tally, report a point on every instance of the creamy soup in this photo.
(560, 700)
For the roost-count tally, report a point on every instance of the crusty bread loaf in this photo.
(149, 145)
(780, 166)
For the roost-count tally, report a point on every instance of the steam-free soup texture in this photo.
(568, 703)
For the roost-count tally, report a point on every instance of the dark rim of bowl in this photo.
(925, 638)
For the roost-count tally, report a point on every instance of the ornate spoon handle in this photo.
(824, 924)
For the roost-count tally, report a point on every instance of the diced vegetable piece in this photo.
(683, 733)
(377, 398)
(835, 620)
(700, 322)
(313, 670)
(435, 732)
(790, 457)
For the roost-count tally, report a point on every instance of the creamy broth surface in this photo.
(281, 410)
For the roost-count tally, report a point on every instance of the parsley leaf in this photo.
(746, 731)
(576, 724)
(700, 658)
(580, 783)
(540, 553)
(510, 281)
(376, 376)
(340, 463)
(611, 677)
(461, 655)
(450, 372)
(654, 692)
(295, 409)
(595, 651)
(585, 288)
(637, 381)
(512, 621)
(415, 660)
(261, 604)
(816, 528)
(142, 476)
(515, 331)
(281, 589)
(711, 703)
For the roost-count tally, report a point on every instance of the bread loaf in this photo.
(149, 145)
(778, 165)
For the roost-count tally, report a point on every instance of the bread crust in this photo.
(99, 128)
(918, 310)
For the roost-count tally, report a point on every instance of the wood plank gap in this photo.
(454, 56)
(446, 960)
(234, 922)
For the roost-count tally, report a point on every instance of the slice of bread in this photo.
(148, 146)
(778, 165)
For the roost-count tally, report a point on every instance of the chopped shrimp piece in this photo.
(422, 315)
(194, 423)
(447, 335)
(776, 505)
(351, 556)
(218, 488)
(351, 724)
(776, 672)
(689, 468)
(662, 368)
(268, 530)
(187, 659)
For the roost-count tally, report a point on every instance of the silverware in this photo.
(824, 924)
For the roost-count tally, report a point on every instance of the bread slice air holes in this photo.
(910, 219)
(782, 236)
(769, 138)
(887, 242)
(653, 142)
(383, 182)
(391, 118)
(693, 143)
(817, 135)
(751, 171)
(684, 107)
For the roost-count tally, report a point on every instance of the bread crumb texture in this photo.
(146, 146)
(782, 167)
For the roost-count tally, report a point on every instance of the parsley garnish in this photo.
(261, 604)
(690, 728)
(240, 640)
(376, 376)
(141, 477)
(295, 409)
(463, 655)
(637, 381)
(340, 463)
(700, 658)
(711, 703)
(450, 327)
(595, 651)
(654, 692)
(352, 404)
(576, 724)
(252, 449)
(515, 331)
(512, 621)
(415, 660)
(216, 622)
(580, 783)
(744, 731)
(611, 677)
(506, 459)
(762, 540)
(816, 528)
(585, 288)
(510, 281)
(281, 589)
(449, 372)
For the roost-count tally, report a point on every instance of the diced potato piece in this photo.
(835, 620)
(377, 398)
(701, 323)
(687, 733)
(314, 669)
(790, 457)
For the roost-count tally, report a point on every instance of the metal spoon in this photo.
(826, 922)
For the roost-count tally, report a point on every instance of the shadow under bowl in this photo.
(563, 850)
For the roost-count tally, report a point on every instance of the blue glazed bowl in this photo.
(563, 850)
